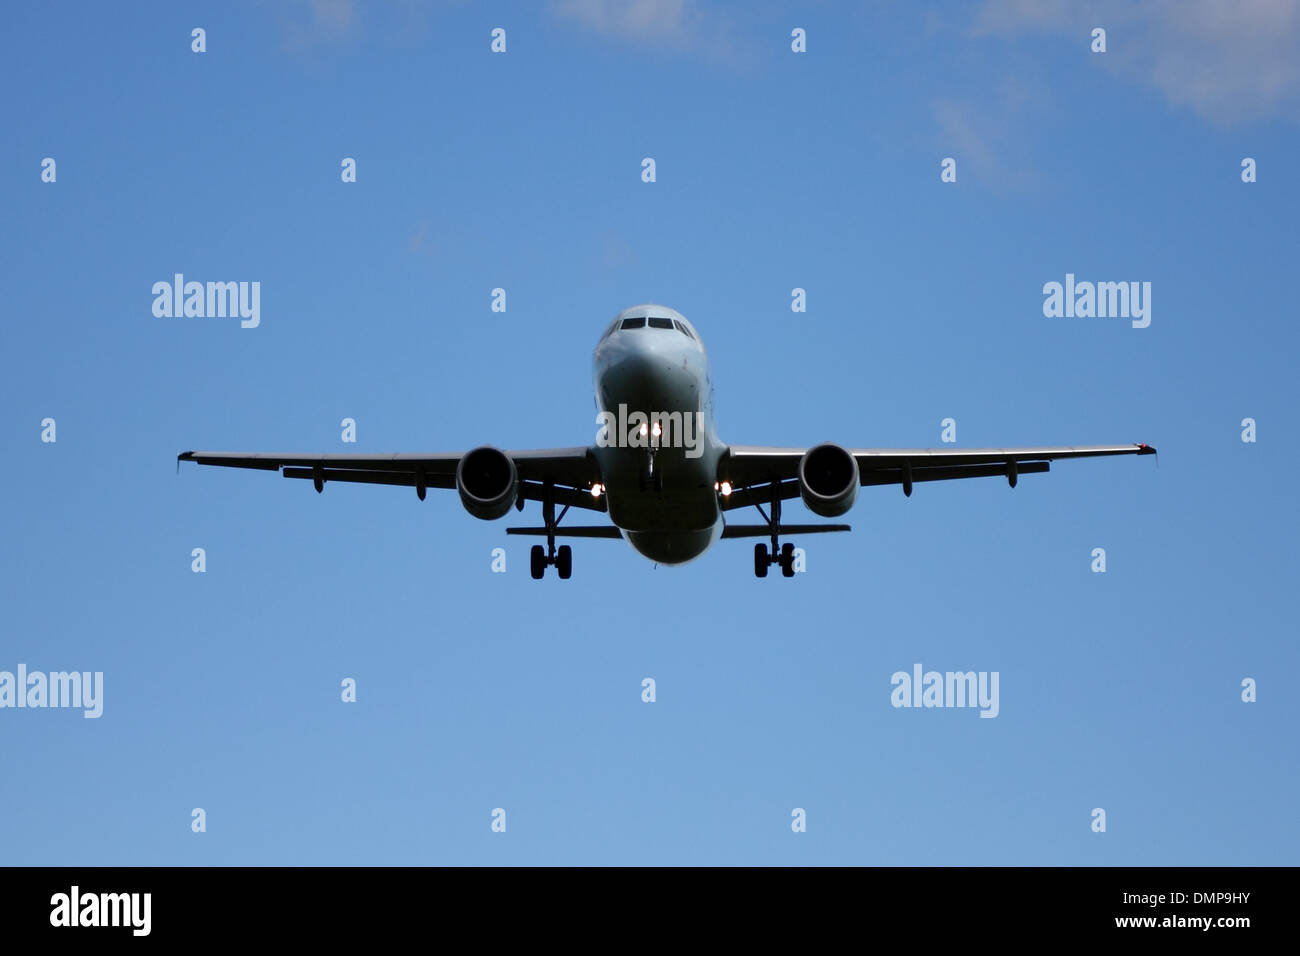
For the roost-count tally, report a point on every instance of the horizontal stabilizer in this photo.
(591, 531)
(765, 531)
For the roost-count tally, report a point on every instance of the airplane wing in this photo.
(572, 471)
(752, 470)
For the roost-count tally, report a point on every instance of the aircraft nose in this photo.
(657, 379)
(639, 369)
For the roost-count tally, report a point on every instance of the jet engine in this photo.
(828, 480)
(487, 482)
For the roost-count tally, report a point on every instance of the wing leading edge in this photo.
(749, 468)
(571, 471)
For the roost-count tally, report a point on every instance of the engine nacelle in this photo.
(488, 482)
(828, 480)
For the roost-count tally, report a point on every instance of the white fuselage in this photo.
(663, 499)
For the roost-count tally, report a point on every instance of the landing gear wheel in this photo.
(760, 561)
(787, 560)
(537, 561)
(564, 561)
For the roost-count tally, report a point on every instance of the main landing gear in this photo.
(782, 554)
(561, 557)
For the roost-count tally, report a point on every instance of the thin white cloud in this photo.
(710, 33)
(658, 21)
(961, 136)
(314, 22)
(1228, 60)
(984, 131)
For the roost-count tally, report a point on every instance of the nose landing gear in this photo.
(650, 477)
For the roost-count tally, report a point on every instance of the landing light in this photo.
(657, 430)
(644, 429)
(725, 488)
(596, 489)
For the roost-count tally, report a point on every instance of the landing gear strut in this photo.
(650, 477)
(561, 557)
(782, 554)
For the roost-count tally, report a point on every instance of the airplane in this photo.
(660, 472)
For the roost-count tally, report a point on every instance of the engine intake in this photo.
(828, 480)
(487, 482)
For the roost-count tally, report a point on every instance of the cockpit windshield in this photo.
(654, 322)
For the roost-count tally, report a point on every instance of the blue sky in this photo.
(775, 170)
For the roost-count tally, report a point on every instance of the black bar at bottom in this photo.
(333, 905)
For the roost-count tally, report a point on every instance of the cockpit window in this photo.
(634, 323)
(683, 329)
(661, 323)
